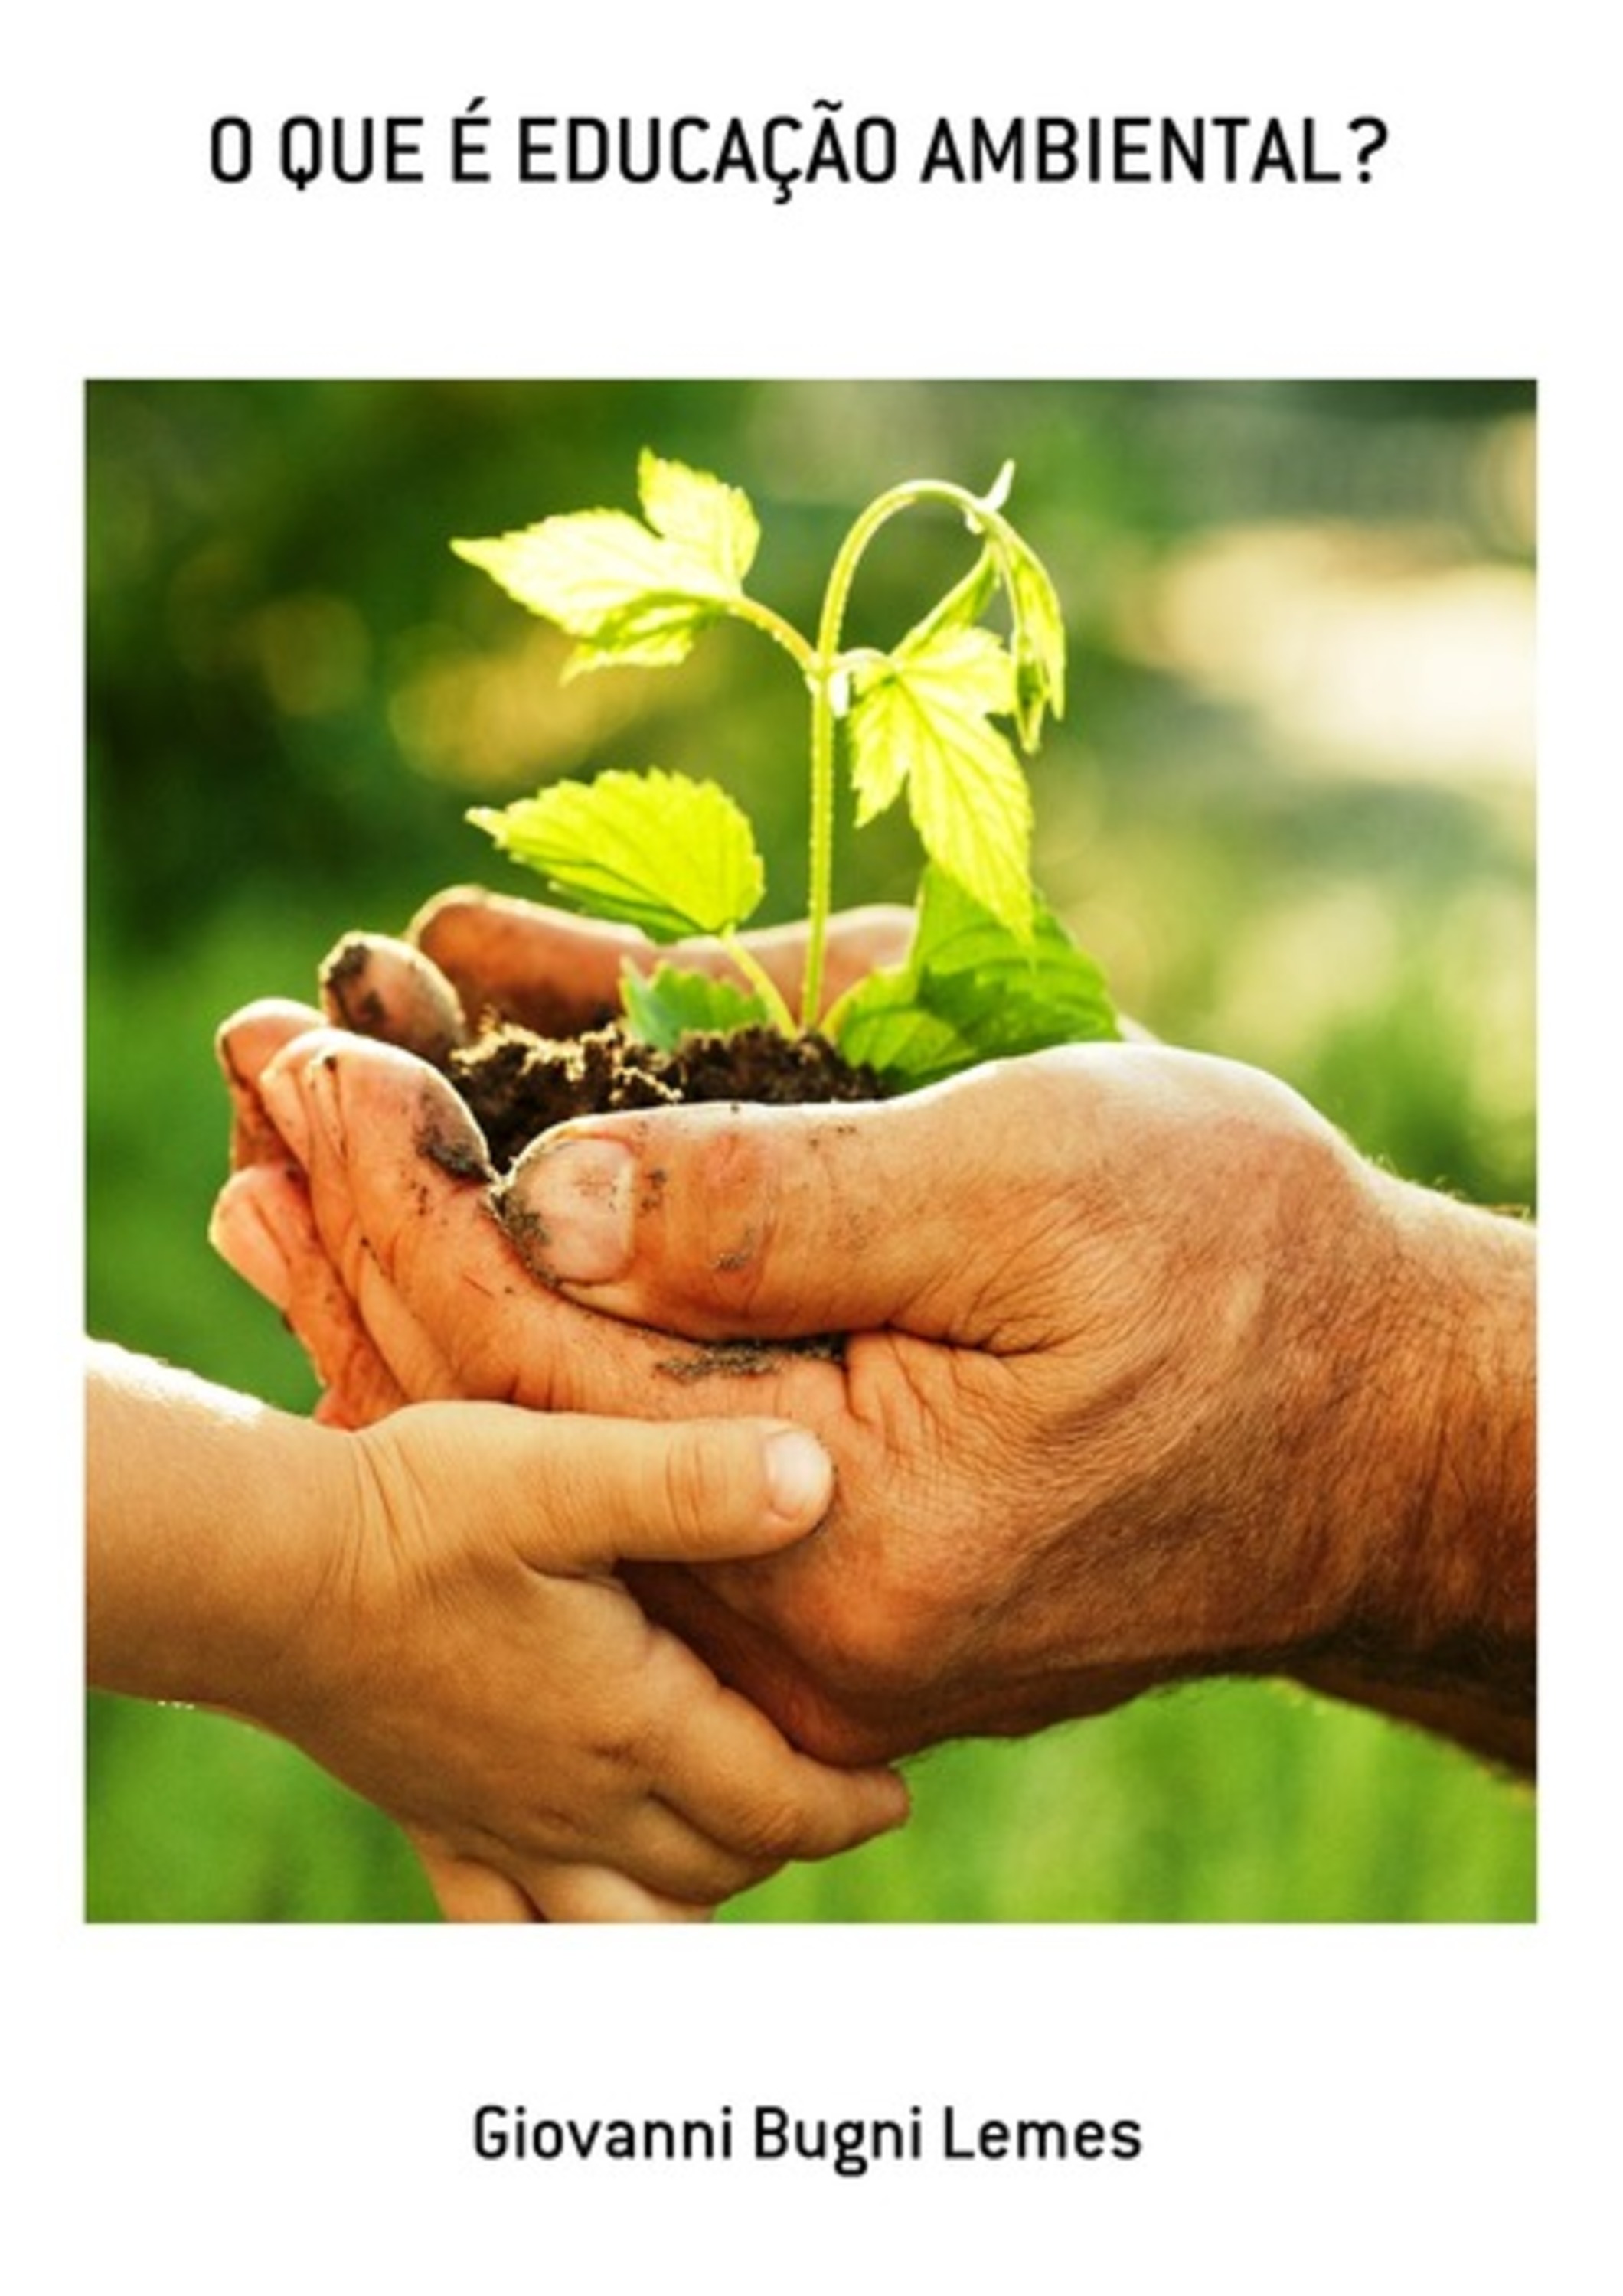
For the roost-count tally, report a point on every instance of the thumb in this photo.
(724, 1221)
(584, 1494)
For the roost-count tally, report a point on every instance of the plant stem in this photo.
(825, 671)
(782, 632)
(819, 866)
(761, 980)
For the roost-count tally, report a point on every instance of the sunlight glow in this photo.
(1377, 651)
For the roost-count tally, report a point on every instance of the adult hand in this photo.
(555, 973)
(1148, 1376)
(466, 953)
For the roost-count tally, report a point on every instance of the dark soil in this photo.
(518, 1084)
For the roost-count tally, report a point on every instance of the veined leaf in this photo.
(654, 633)
(964, 602)
(882, 1025)
(972, 808)
(1039, 638)
(662, 1007)
(655, 849)
(697, 513)
(631, 592)
(921, 719)
(971, 991)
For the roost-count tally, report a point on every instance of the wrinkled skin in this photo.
(1148, 1376)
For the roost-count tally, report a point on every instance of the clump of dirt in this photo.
(517, 1084)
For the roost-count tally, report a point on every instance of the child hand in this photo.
(474, 1666)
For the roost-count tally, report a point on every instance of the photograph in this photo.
(810, 1151)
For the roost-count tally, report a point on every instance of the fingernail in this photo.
(576, 1199)
(799, 1475)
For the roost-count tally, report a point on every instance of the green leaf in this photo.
(631, 592)
(695, 513)
(919, 717)
(1039, 638)
(662, 1007)
(971, 990)
(655, 849)
(882, 1025)
(964, 603)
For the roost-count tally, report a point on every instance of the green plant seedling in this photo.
(990, 972)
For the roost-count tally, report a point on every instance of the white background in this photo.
(193, 2109)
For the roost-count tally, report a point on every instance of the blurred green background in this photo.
(1290, 808)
